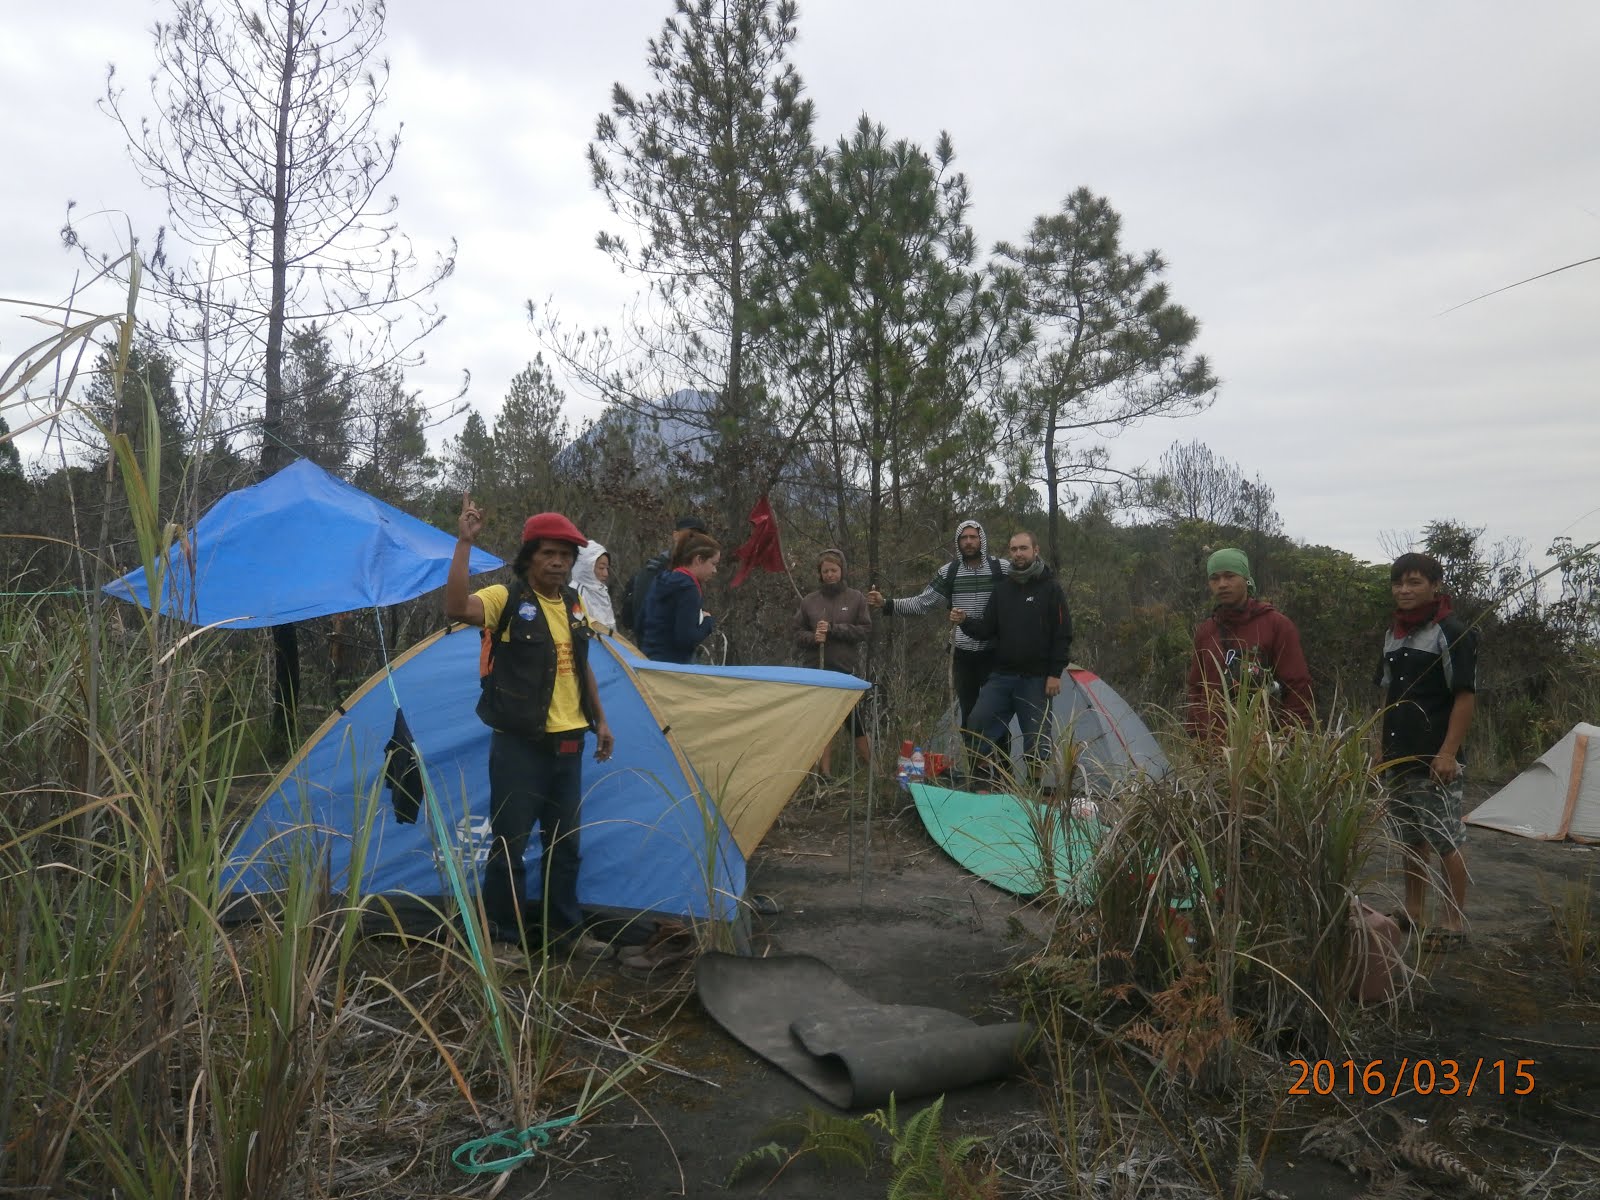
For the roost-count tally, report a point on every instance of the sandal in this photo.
(1442, 941)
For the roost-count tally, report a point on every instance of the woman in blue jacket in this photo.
(674, 621)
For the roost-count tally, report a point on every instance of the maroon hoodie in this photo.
(1259, 636)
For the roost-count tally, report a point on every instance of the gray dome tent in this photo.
(1113, 743)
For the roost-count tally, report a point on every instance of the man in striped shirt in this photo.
(965, 582)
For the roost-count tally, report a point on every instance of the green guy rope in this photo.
(469, 1156)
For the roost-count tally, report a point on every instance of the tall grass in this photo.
(1223, 914)
(148, 1049)
(1215, 934)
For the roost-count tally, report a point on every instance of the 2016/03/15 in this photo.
(1427, 1076)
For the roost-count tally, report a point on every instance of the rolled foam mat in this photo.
(796, 1013)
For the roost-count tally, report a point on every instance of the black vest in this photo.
(519, 675)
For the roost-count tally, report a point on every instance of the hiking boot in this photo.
(669, 944)
(586, 946)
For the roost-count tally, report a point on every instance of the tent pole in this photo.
(866, 853)
(850, 817)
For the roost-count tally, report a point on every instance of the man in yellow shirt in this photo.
(540, 699)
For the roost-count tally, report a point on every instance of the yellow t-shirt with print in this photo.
(566, 711)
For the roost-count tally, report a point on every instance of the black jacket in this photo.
(517, 665)
(1029, 625)
(631, 614)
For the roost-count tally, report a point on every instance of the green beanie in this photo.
(1231, 560)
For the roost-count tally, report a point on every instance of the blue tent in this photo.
(299, 544)
(668, 821)
(666, 829)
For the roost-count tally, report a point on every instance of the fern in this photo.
(772, 1152)
(836, 1141)
(926, 1166)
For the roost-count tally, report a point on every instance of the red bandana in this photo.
(1408, 621)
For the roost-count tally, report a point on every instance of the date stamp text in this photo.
(1424, 1076)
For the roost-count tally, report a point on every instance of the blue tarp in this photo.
(299, 544)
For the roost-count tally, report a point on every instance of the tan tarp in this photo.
(751, 741)
(1557, 797)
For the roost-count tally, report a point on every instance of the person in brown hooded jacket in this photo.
(1243, 639)
(830, 624)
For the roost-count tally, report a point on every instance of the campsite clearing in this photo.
(929, 933)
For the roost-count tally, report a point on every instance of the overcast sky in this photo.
(1325, 181)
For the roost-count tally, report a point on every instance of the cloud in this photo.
(1324, 181)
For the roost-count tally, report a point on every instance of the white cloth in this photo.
(596, 599)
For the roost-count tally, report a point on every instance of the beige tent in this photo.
(1557, 797)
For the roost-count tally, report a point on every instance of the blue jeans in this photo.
(1002, 697)
(530, 783)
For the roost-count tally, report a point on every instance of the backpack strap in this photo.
(997, 572)
(491, 637)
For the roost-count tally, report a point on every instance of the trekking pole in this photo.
(958, 742)
(866, 855)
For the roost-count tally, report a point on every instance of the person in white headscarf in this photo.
(590, 575)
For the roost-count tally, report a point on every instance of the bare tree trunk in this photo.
(285, 644)
(1052, 487)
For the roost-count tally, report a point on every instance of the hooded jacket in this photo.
(1029, 625)
(673, 624)
(957, 585)
(1257, 638)
(595, 595)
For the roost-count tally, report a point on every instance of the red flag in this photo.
(762, 549)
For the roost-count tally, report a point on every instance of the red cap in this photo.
(554, 526)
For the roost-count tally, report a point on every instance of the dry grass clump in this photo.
(149, 1049)
(1222, 918)
(1216, 936)
(153, 1051)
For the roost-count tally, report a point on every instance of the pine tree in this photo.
(469, 459)
(1110, 348)
(266, 146)
(889, 323)
(318, 402)
(10, 459)
(699, 166)
(528, 434)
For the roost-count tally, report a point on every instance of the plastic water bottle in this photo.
(919, 765)
(902, 771)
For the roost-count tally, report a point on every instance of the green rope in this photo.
(469, 1155)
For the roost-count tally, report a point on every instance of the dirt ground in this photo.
(917, 929)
